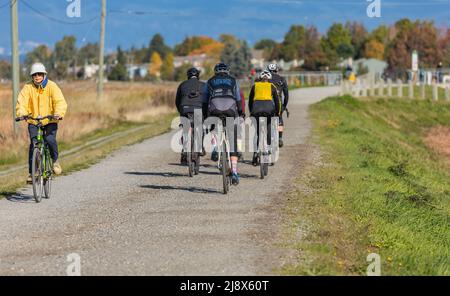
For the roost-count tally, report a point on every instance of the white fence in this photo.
(308, 78)
(370, 88)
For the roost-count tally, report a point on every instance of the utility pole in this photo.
(101, 53)
(15, 60)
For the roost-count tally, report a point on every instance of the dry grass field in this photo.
(123, 103)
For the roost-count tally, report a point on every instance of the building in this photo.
(135, 71)
(259, 62)
(90, 70)
(197, 61)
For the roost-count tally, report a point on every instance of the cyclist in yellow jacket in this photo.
(42, 97)
(264, 102)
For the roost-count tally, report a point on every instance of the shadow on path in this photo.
(21, 198)
(189, 189)
(160, 174)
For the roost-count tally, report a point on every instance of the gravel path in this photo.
(137, 213)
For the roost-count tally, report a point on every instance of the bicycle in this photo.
(41, 162)
(263, 151)
(224, 159)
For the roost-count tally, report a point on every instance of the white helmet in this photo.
(272, 68)
(37, 68)
(265, 75)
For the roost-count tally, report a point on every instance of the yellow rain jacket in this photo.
(46, 99)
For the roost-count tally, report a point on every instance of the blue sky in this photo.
(176, 19)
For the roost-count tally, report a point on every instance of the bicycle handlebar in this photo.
(38, 119)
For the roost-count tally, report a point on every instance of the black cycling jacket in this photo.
(282, 86)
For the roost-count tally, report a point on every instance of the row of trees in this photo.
(391, 43)
(160, 57)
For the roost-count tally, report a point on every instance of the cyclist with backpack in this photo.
(191, 96)
(224, 100)
(263, 102)
(283, 95)
(42, 97)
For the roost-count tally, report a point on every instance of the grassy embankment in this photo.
(125, 107)
(382, 188)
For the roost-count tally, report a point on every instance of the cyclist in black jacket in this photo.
(283, 94)
(191, 96)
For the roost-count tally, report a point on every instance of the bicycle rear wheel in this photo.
(196, 163)
(36, 175)
(225, 171)
(261, 165)
(190, 164)
(266, 169)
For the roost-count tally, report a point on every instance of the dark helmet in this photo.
(193, 72)
(221, 68)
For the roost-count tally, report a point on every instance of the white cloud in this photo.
(28, 46)
(2, 50)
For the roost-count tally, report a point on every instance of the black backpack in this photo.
(192, 96)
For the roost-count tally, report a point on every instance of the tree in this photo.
(199, 45)
(237, 56)
(267, 45)
(65, 55)
(228, 38)
(444, 47)
(119, 72)
(374, 49)
(154, 69)
(41, 54)
(167, 68)
(293, 46)
(88, 53)
(315, 58)
(157, 45)
(345, 50)
(211, 48)
(359, 36)
(420, 36)
(381, 34)
(139, 56)
(337, 36)
(5, 70)
(180, 72)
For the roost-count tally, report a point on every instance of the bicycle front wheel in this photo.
(261, 165)
(48, 177)
(36, 175)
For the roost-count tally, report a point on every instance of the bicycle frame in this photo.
(45, 153)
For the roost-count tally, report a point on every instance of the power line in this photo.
(6, 4)
(55, 19)
(142, 12)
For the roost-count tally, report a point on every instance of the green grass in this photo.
(381, 190)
